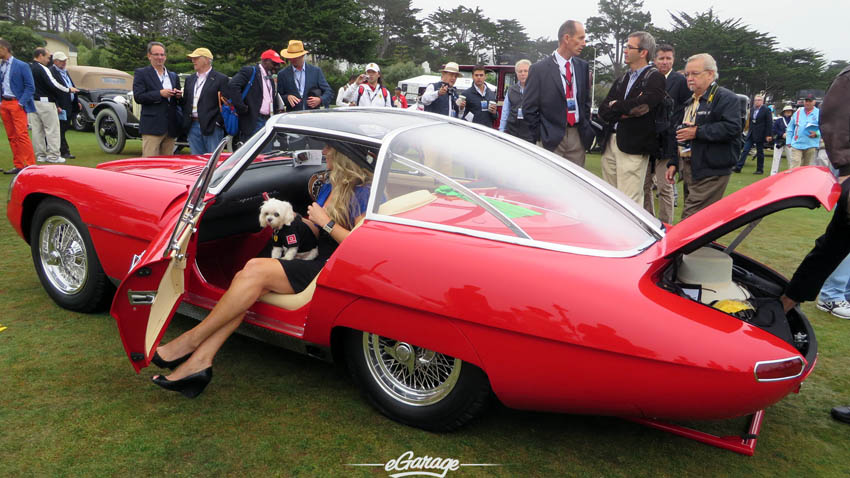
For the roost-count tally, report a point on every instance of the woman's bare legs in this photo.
(258, 277)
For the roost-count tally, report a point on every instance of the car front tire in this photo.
(109, 131)
(65, 259)
(414, 385)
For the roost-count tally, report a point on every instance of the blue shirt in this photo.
(300, 78)
(5, 70)
(506, 110)
(797, 134)
(633, 76)
(358, 204)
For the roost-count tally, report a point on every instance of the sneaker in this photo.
(838, 308)
(57, 159)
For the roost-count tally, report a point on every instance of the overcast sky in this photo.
(818, 24)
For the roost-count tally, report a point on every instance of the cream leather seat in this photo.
(403, 203)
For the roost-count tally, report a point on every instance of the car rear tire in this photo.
(414, 385)
(80, 124)
(65, 259)
(109, 131)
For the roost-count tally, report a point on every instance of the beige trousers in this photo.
(802, 157)
(702, 192)
(570, 147)
(157, 145)
(626, 172)
(664, 211)
(44, 124)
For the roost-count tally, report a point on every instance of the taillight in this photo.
(774, 370)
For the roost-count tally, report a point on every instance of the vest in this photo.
(516, 127)
(442, 103)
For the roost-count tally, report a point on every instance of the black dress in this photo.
(300, 272)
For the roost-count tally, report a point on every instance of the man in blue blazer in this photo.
(302, 86)
(556, 103)
(761, 123)
(17, 87)
(158, 91)
(253, 93)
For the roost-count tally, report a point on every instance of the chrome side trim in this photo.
(796, 357)
(509, 239)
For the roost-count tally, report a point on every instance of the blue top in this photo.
(358, 203)
(797, 134)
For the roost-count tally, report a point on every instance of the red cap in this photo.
(271, 55)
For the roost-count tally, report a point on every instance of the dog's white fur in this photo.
(276, 214)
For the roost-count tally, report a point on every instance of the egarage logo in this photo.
(409, 465)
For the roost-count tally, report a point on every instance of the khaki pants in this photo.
(157, 145)
(665, 192)
(626, 172)
(570, 147)
(703, 192)
(45, 131)
(802, 157)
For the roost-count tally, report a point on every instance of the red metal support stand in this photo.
(745, 445)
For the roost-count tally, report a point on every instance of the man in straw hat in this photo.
(65, 101)
(301, 85)
(201, 114)
(441, 97)
(254, 93)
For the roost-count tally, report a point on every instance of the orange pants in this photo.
(15, 121)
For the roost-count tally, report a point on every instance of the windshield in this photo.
(461, 177)
(224, 168)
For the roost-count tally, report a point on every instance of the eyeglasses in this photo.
(693, 73)
(629, 47)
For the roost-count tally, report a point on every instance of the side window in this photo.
(304, 150)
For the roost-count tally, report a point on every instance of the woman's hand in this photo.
(318, 215)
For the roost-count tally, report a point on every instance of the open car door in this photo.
(149, 295)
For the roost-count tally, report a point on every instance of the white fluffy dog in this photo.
(292, 238)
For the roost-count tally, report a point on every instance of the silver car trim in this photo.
(470, 194)
(510, 239)
(796, 357)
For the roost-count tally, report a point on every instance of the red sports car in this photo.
(483, 264)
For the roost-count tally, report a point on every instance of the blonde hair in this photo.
(345, 176)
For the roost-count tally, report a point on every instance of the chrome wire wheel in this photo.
(409, 374)
(63, 255)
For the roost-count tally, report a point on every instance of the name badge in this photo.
(454, 114)
(519, 113)
(484, 105)
(571, 105)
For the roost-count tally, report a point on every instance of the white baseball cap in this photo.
(374, 67)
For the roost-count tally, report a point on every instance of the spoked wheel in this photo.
(109, 131)
(415, 385)
(79, 123)
(65, 260)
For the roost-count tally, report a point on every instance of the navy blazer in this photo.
(314, 78)
(249, 108)
(544, 104)
(760, 126)
(22, 84)
(209, 114)
(159, 115)
(63, 100)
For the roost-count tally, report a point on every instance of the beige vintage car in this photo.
(97, 83)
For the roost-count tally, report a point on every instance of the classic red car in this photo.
(483, 264)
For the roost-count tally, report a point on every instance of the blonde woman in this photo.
(340, 204)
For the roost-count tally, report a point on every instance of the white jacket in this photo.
(379, 97)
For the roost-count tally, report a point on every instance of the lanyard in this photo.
(199, 85)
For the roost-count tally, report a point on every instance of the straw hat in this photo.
(294, 49)
(60, 56)
(711, 269)
(451, 67)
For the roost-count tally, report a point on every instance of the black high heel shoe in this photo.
(190, 386)
(162, 363)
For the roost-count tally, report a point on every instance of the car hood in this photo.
(178, 169)
(800, 187)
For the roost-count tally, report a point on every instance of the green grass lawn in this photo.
(71, 406)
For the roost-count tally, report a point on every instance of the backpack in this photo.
(664, 109)
(228, 112)
(384, 92)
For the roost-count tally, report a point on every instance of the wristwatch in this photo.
(329, 227)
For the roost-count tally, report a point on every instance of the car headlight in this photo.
(121, 100)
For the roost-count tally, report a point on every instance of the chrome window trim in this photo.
(274, 128)
(796, 357)
(371, 216)
(475, 198)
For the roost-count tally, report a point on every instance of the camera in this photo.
(451, 90)
(684, 144)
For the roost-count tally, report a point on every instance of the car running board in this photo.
(745, 444)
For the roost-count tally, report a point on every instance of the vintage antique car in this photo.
(96, 84)
(483, 264)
